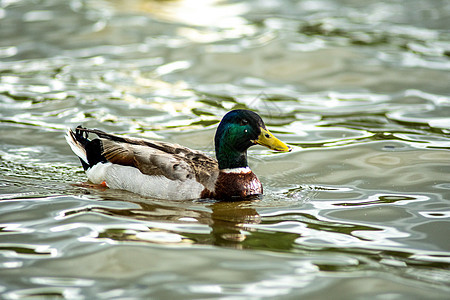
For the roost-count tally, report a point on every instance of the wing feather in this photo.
(159, 158)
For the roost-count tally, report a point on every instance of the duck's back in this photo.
(150, 168)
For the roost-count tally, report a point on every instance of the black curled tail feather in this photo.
(93, 149)
(81, 135)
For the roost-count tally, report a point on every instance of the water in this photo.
(359, 209)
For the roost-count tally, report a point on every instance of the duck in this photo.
(163, 170)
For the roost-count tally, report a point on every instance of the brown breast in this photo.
(232, 186)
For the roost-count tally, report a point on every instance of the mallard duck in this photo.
(170, 171)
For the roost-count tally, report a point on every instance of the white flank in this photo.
(75, 146)
(131, 179)
(237, 170)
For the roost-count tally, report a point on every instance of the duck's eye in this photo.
(244, 122)
(267, 135)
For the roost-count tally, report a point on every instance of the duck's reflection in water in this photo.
(200, 223)
(229, 220)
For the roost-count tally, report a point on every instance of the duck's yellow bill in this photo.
(268, 140)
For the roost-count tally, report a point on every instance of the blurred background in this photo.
(360, 89)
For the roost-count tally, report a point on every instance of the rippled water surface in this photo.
(360, 89)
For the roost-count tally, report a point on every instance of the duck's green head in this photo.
(239, 130)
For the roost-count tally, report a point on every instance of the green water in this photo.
(358, 210)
